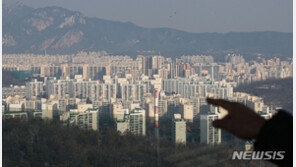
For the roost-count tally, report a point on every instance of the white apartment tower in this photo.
(209, 134)
(138, 122)
(179, 129)
(34, 89)
(88, 119)
(123, 123)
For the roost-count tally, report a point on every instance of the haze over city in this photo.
(146, 83)
(190, 15)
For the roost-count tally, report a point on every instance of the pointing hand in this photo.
(241, 121)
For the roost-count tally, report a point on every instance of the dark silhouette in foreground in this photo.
(275, 134)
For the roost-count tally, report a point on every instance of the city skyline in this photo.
(148, 95)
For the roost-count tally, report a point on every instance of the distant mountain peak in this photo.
(74, 19)
(62, 31)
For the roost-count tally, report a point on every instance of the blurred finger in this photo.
(220, 102)
(220, 123)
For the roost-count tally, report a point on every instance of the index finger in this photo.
(221, 102)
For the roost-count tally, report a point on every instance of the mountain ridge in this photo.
(61, 31)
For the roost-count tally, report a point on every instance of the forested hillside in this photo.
(274, 91)
(39, 143)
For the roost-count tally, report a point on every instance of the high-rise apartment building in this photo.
(163, 107)
(138, 122)
(179, 129)
(135, 122)
(58, 88)
(147, 65)
(209, 134)
(34, 89)
(187, 111)
(133, 91)
(123, 123)
(88, 119)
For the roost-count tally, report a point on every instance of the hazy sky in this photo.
(188, 15)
